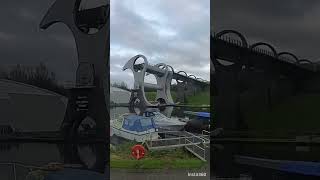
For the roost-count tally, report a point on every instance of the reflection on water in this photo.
(35, 154)
(226, 161)
(31, 153)
(41, 154)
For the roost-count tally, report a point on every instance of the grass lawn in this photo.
(202, 98)
(299, 113)
(120, 157)
(155, 164)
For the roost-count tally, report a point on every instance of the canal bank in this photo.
(121, 158)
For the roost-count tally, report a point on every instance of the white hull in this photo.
(169, 123)
(135, 136)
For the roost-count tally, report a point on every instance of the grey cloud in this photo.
(22, 42)
(137, 31)
(288, 25)
(6, 36)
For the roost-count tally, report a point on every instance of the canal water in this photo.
(223, 164)
(26, 155)
(226, 163)
(40, 154)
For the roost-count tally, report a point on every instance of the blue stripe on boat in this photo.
(203, 114)
(302, 167)
(298, 167)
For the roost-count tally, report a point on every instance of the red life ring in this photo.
(138, 151)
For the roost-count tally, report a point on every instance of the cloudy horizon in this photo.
(23, 42)
(171, 32)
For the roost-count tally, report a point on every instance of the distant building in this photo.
(29, 108)
(119, 96)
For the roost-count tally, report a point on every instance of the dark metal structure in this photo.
(90, 95)
(247, 77)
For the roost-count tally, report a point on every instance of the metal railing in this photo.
(169, 139)
(197, 144)
(200, 150)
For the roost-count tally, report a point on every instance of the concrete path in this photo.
(120, 174)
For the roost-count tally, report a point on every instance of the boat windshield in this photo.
(160, 115)
(138, 123)
(149, 114)
(146, 124)
(156, 115)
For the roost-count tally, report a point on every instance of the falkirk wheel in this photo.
(163, 74)
(87, 99)
(186, 85)
(182, 88)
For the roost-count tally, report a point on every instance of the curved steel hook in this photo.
(200, 79)
(162, 66)
(192, 76)
(179, 72)
(182, 72)
(171, 68)
(132, 61)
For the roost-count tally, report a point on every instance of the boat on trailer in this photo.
(134, 127)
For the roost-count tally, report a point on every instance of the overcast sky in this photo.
(289, 25)
(22, 41)
(175, 32)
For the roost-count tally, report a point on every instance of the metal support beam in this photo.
(93, 62)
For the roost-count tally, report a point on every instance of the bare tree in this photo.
(121, 85)
(39, 76)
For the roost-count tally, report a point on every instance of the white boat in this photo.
(164, 122)
(134, 127)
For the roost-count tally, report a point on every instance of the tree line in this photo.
(42, 77)
(120, 85)
(39, 76)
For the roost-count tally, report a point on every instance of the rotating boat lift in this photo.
(164, 74)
